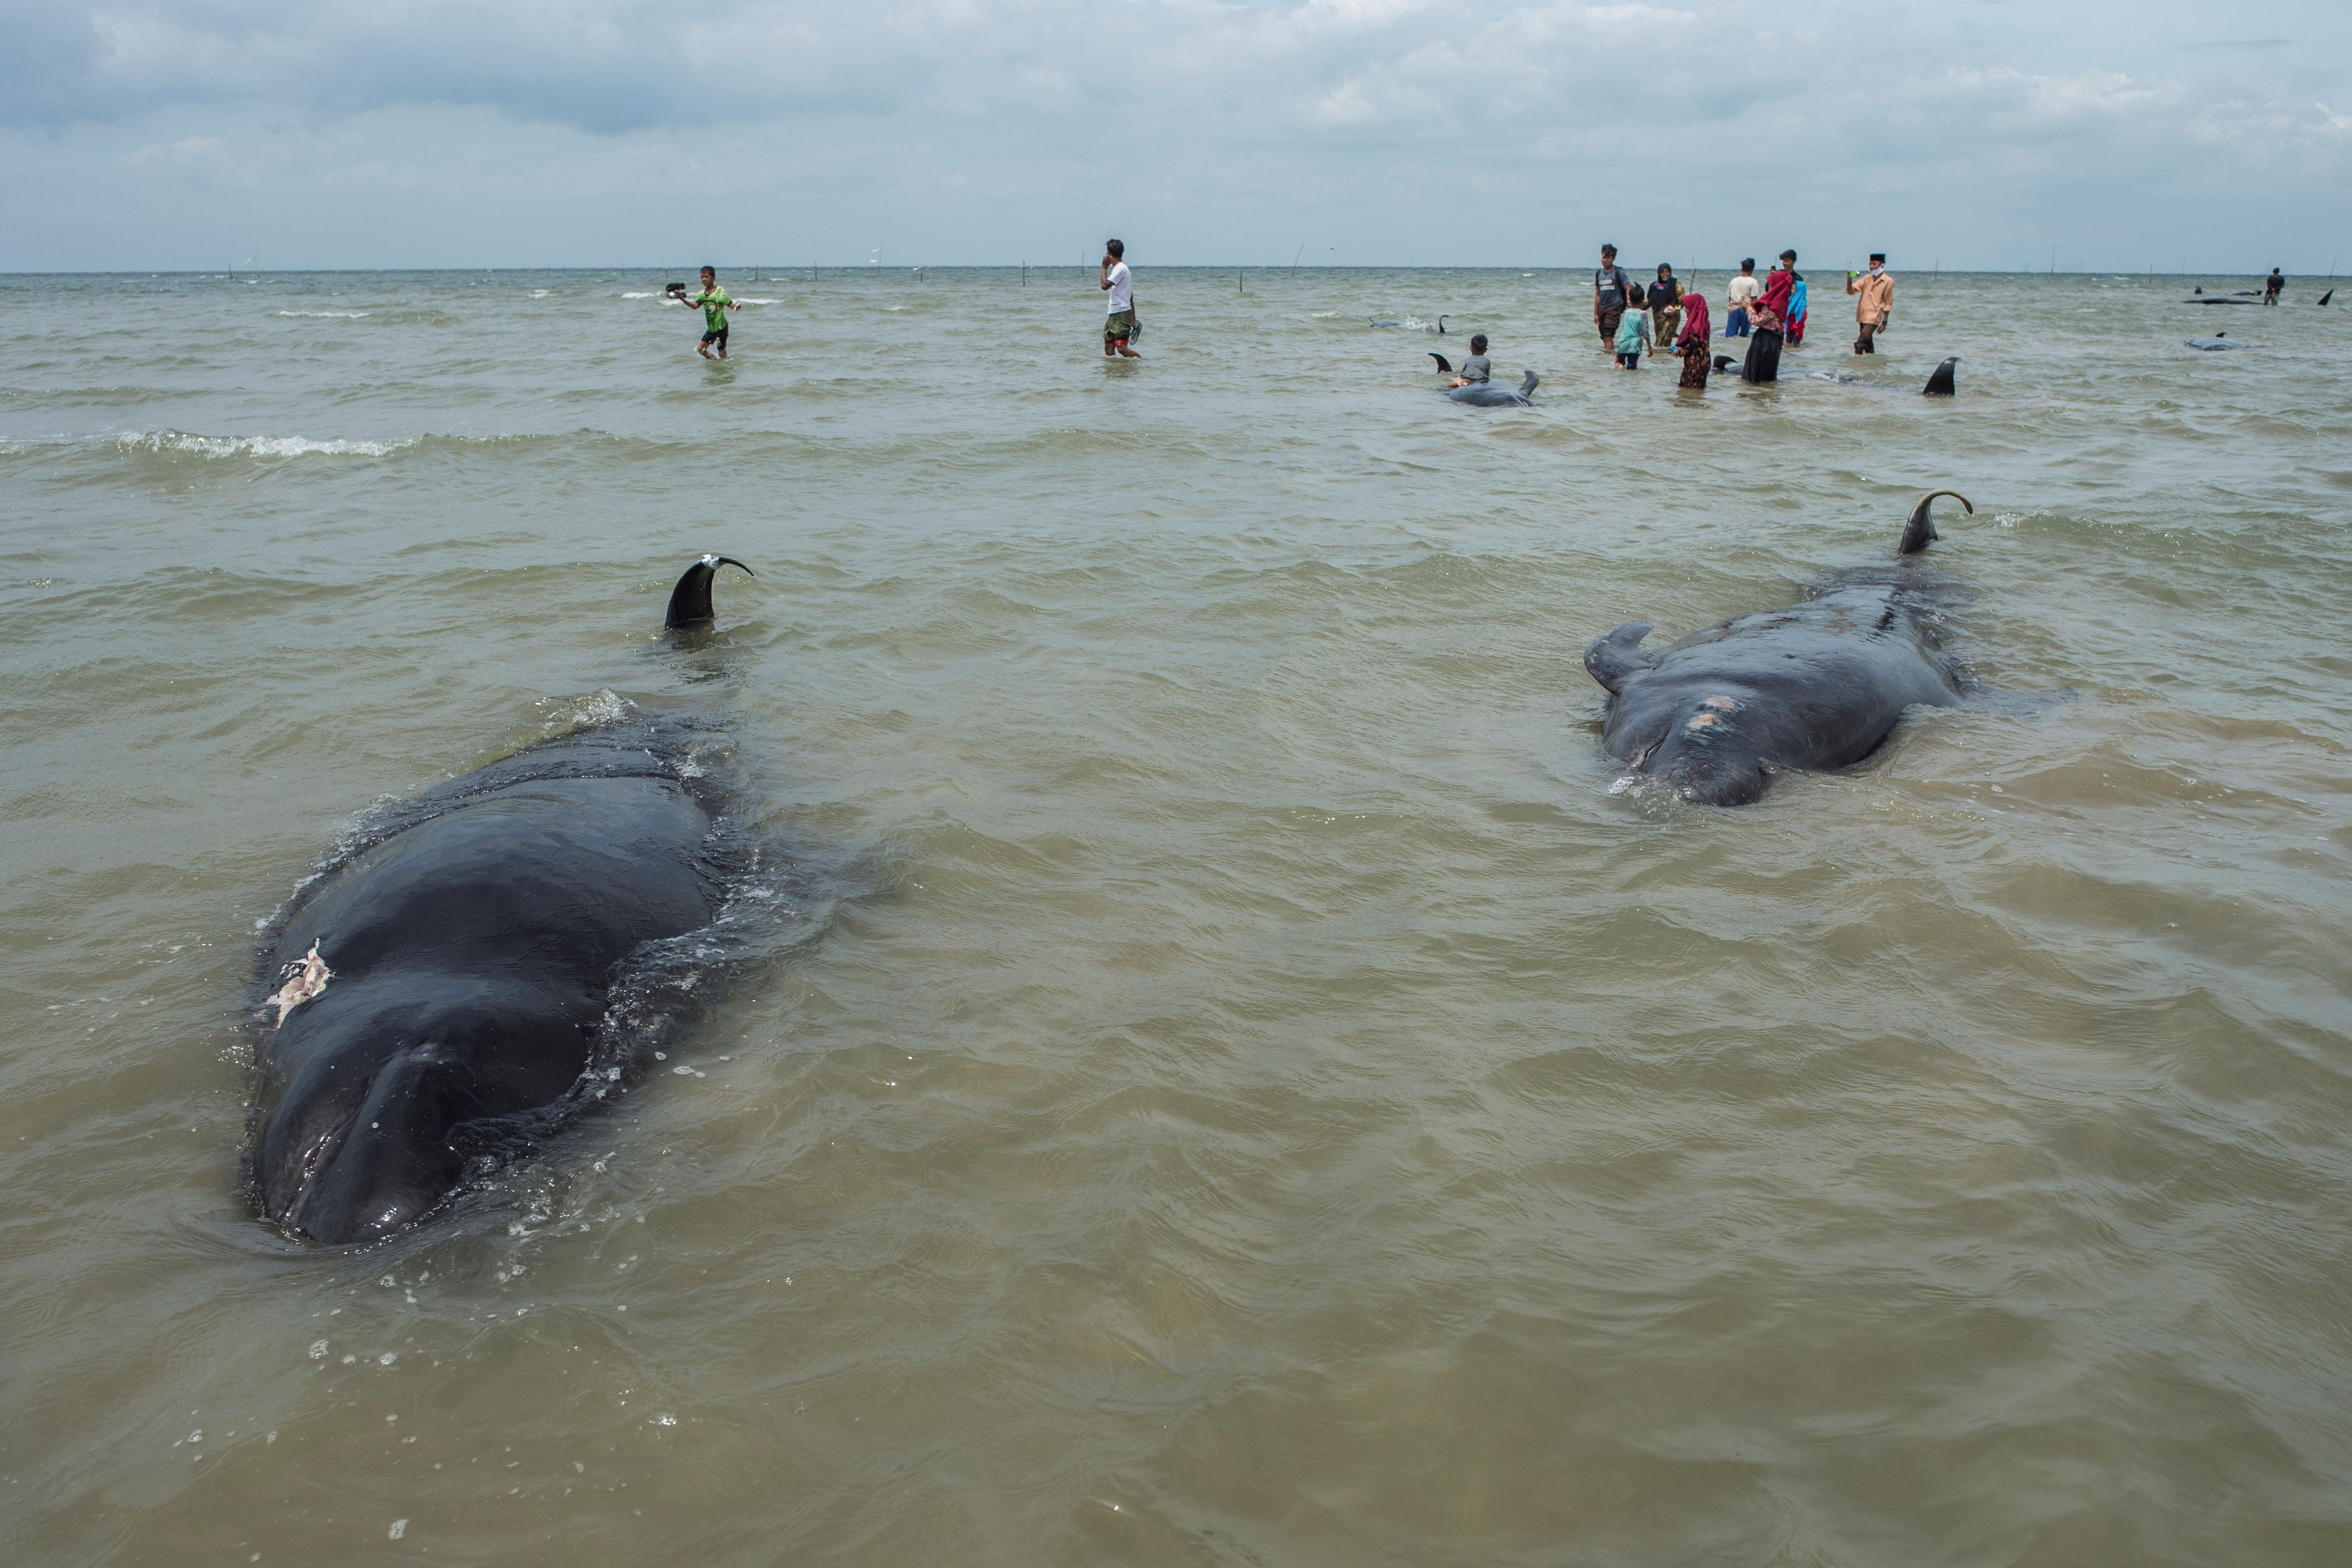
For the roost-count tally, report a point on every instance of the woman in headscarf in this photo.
(1763, 362)
(1796, 313)
(1692, 342)
(1666, 307)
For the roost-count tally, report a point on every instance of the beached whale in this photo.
(1487, 394)
(439, 997)
(2214, 344)
(1817, 685)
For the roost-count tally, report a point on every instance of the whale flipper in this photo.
(1615, 656)
(689, 601)
(1527, 387)
(1940, 383)
(1920, 528)
(1445, 366)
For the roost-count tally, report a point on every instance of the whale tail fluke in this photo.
(1940, 383)
(1615, 656)
(1921, 527)
(689, 601)
(1445, 365)
(1527, 387)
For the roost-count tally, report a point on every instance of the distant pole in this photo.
(1237, 282)
(1293, 260)
(1024, 272)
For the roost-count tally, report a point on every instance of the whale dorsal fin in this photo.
(1443, 363)
(689, 601)
(1616, 656)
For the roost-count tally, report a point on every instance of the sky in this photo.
(2106, 135)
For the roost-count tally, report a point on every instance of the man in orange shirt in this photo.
(1877, 301)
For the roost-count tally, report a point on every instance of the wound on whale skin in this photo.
(689, 601)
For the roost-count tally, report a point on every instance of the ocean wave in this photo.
(339, 314)
(163, 441)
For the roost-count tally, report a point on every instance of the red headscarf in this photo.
(1776, 290)
(1695, 321)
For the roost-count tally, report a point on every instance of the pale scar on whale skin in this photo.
(303, 981)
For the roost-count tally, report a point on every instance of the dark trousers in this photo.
(1763, 362)
(1609, 316)
(1866, 343)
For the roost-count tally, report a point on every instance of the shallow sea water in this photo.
(1256, 1093)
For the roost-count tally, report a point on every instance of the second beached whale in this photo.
(1817, 685)
(1487, 394)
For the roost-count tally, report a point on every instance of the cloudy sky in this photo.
(141, 134)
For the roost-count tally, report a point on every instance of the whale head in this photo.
(1698, 750)
(389, 1082)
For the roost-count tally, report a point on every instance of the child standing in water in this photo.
(1632, 328)
(1478, 366)
(715, 304)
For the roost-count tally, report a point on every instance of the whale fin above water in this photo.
(1940, 384)
(1724, 362)
(1615, 656)
(1919, 527)
(1445, 366)
(689, 601)
(2326, 297)
(1527, 387)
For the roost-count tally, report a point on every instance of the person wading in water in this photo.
(1878, 302)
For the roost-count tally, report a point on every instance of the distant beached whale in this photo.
(1817, 685)
(2213, 344)
(1487, 394)
(439, 998)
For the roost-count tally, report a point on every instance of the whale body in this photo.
(1817, 685)
(439, 997)
(1487, 394)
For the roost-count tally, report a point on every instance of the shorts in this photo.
(1119, 327)
(1609, 316)
(719, 337)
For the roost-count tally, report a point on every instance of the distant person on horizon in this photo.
(714, 303)
(1876, 288)
(1478, 366)
(1739, 297)
(1665, 308)
(2272, 286)
(1611, 290)
(1118, 327)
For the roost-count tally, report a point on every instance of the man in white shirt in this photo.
(1742, 294)
(1119, 325)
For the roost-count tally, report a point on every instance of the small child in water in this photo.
(1478, 366)
(1630, 332)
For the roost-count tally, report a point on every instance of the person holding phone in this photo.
(1119, 326)
(1876, 303)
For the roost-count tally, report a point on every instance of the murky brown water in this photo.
(1253, 1095)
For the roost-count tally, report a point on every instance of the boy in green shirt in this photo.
(715, 305)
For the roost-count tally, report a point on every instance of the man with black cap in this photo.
(1870, 312)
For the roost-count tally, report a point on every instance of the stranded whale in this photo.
(446, 991)
(1817, 685)
(1487, 394)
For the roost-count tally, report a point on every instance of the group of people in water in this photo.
(1772, 312)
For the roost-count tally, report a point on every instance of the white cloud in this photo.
(1371, 121)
